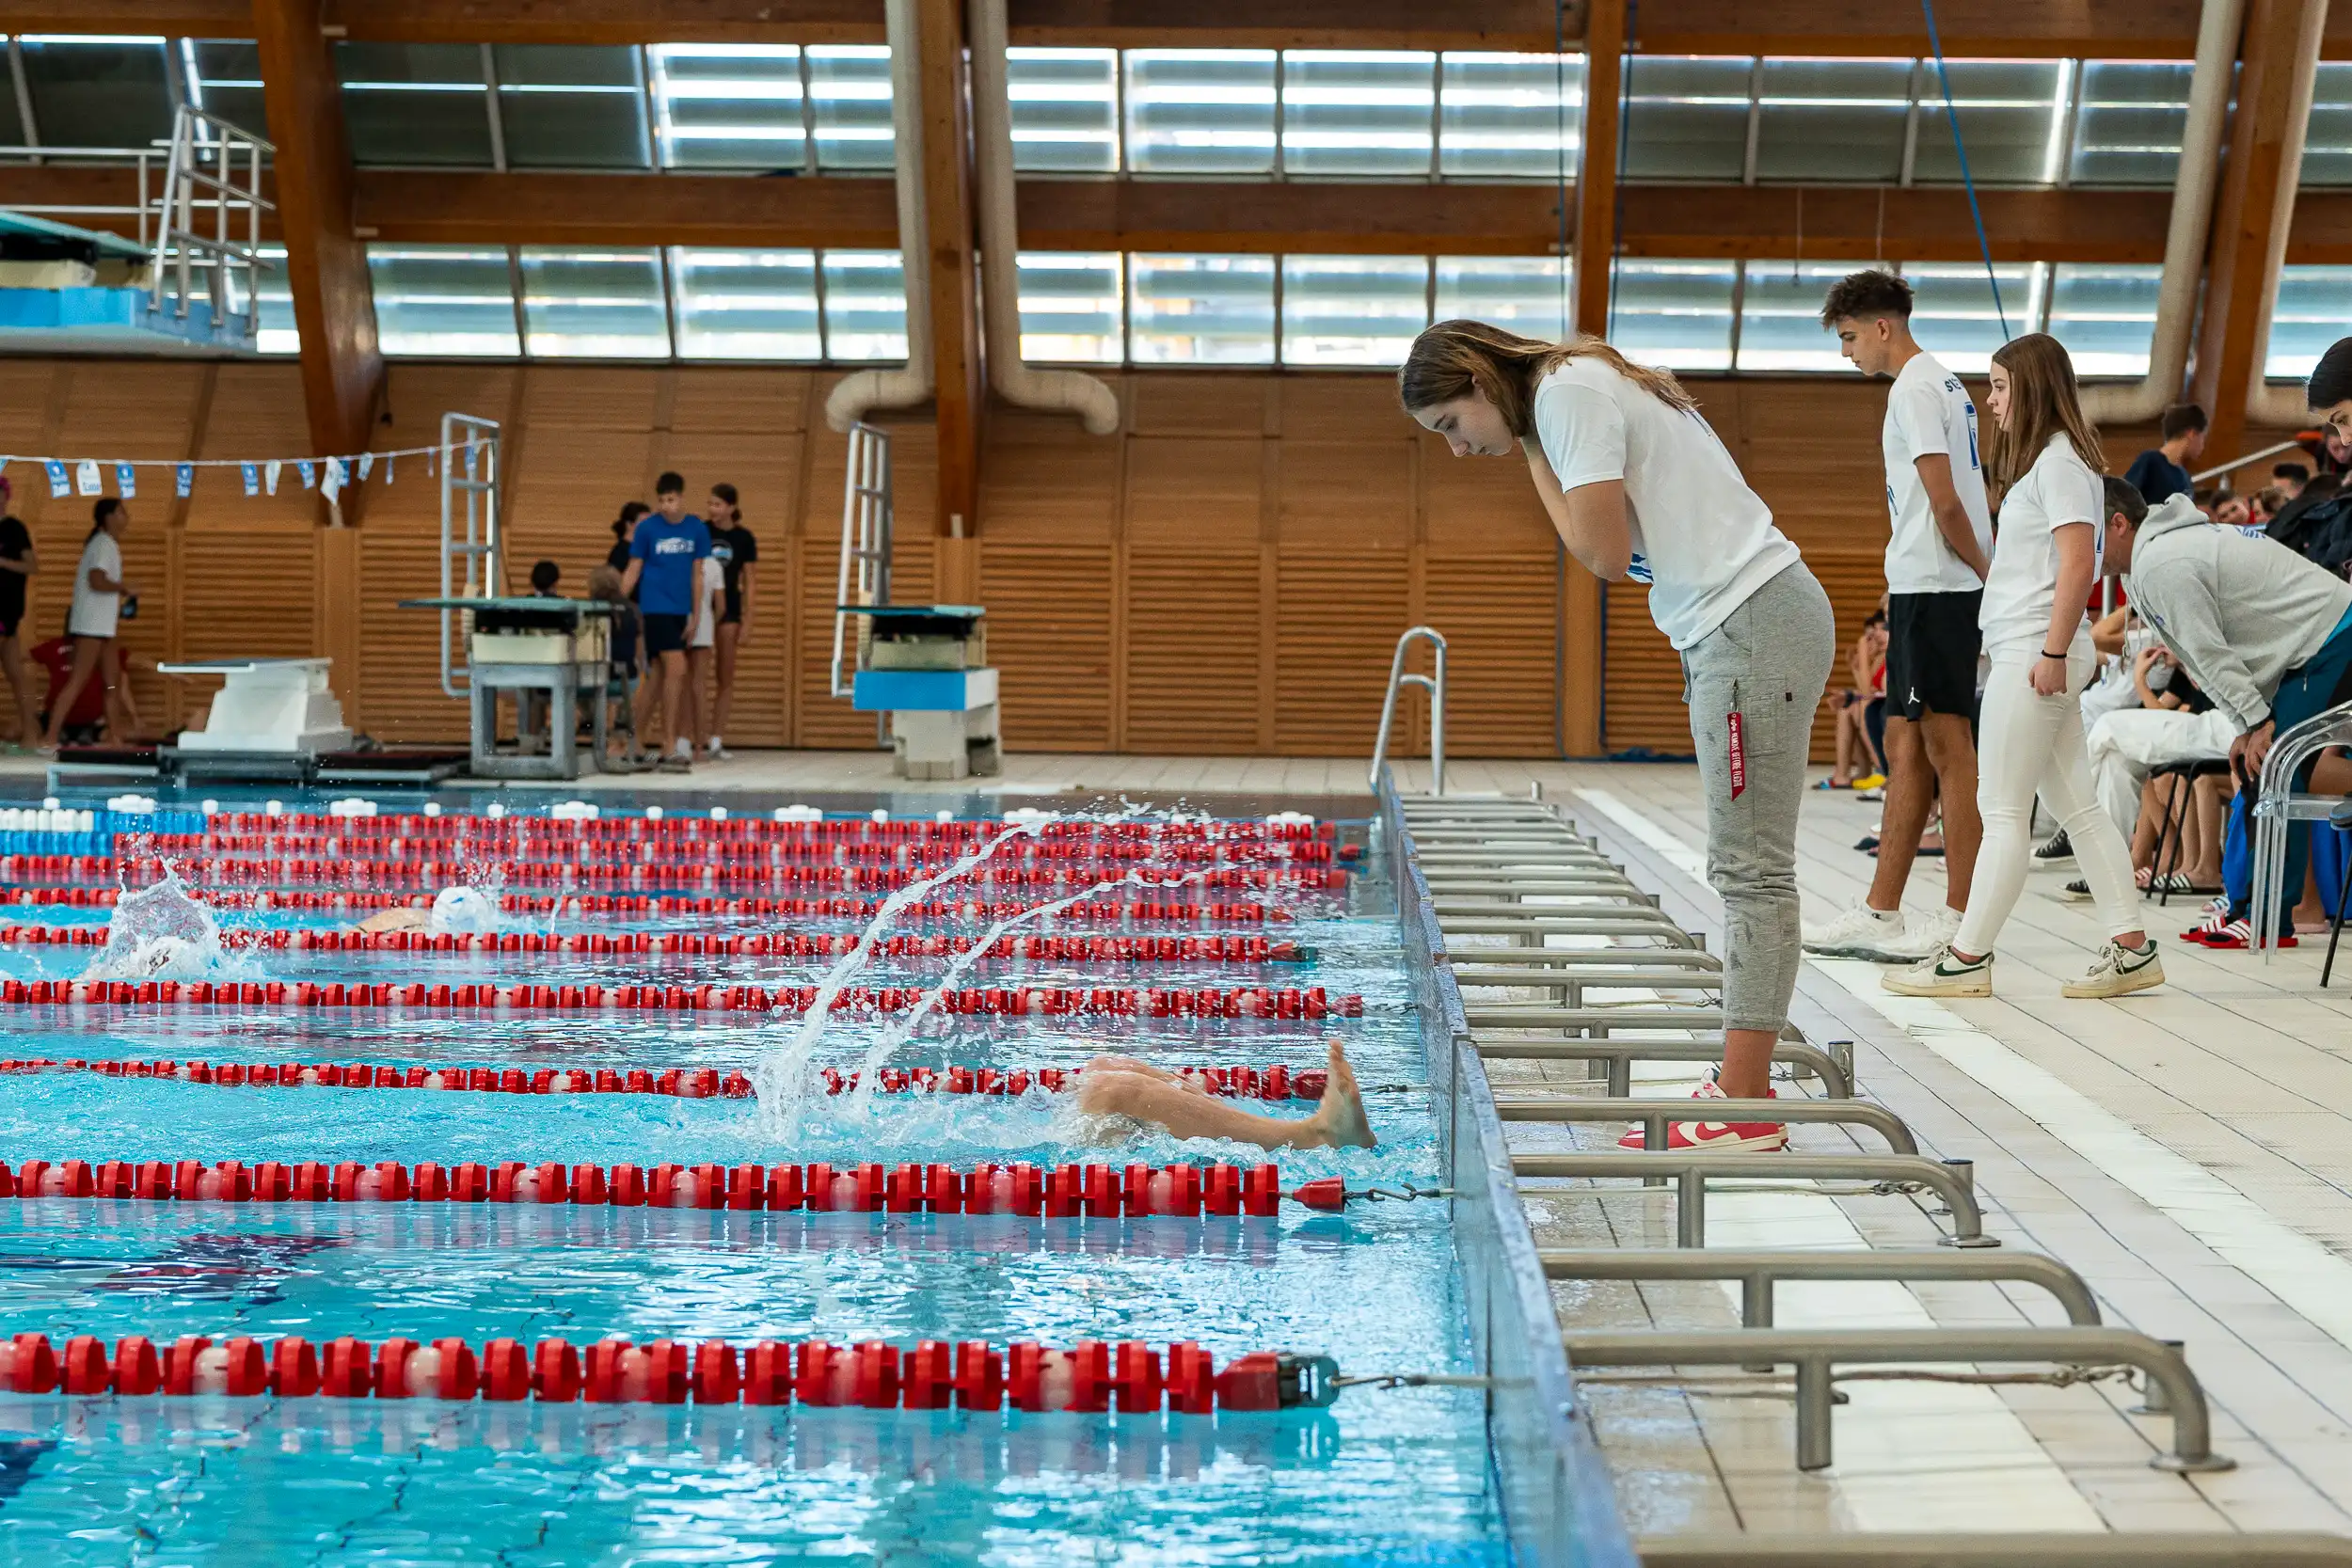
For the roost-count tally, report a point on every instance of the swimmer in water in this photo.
(1121, 1086)
(456, 910)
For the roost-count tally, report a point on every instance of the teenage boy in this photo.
(1937, 554)
(665, 570)
(2161, 472)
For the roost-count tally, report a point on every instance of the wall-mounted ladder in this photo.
(865, 518)
(470, 498)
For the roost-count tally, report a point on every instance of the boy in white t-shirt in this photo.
(1938, 551)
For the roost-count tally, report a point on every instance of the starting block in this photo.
(927, 667)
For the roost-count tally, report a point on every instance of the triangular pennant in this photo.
(126, 481)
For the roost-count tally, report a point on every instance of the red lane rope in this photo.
(1091, 1376)
(1288, 1003)
(1242, 1083)
(1097, 949)
(980, 909)
(1037, 1192)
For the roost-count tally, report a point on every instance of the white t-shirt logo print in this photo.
(1929, 412)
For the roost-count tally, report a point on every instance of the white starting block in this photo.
(924, 665)
(277, 706)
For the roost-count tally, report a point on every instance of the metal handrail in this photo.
(1655, 1115)
(1618, 1058)
(2236, 462)
(1815, 1351)
(1434, 684)
(477, 440)
(867, 517)
(1760, 1270)
(1954, 1181)
(2274, 813)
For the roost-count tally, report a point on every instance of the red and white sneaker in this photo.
(2239, 933)
(1720, 1138)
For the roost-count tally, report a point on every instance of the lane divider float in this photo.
(1144, 912)
(1093, 1376)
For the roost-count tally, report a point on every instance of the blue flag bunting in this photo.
(252, 477)
(310, 474)
(126, 481)
(60, 483)
(184, 479)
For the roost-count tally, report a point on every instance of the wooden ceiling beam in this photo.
(1596, 215)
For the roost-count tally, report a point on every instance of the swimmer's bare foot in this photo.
(1341, 1116)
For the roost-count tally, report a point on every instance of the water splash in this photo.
(160, 931)
(783, 1079)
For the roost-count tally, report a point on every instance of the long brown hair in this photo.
(1453, 359)
(2043, 400)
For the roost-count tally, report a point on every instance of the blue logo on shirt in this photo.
(1637, 569)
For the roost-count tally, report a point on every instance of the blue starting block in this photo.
(925, 666)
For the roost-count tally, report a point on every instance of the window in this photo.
(1200, 111)
(571, 107)
(1200, 310)
(865, 304)
(1677, 314)
(1780, 316)
(1071, 307)
(849, 88)
(224, 78)
(747, 304)
(1351, 310)
(1527, 293)
(594, 304)
(1686, 117)
(1065, 110)
(277, 334)
(416, 104)
(444, 300)
(727, 105)
(2129, 118)
(2313, 304)
(1358, 112)
(1831, 120)
(2013, 117)
(1510, 116)
(2105, 316)
(1954, 311)
(2328, 134)
(96, 91)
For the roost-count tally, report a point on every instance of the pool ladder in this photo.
(1433, 683)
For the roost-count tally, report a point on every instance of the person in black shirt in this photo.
(624, 529)
(737, 552)
(2162, 471)
(18, 561)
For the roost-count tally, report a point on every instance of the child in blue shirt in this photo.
(666, 554)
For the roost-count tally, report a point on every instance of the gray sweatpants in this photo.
(1768, 664)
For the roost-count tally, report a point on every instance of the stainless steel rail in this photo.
(1757, 1272)
(1531, 1016)
(1656, 1116)
(1954, 1181)
(1620, 1055)
(1816, 1352)
(1434, 684)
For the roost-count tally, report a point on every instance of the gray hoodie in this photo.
(2237, 612)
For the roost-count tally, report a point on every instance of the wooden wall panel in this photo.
(1644, 709)
(1049, 635)
(1479, 503)
(1177, 403)
(401, 700)
(1500, 614)
(1340, 616)
(1193, 645)
(1347, 495)
(1202, 491)
(818, 718)
(1044, 480)
(249, 593)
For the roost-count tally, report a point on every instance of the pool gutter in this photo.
(1557, 1502)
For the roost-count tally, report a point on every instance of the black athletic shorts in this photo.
(1931, 645)
(665, 634)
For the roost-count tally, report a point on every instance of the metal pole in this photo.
(1691, 1208)
(1816, 1402)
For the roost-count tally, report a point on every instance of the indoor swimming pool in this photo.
(518, 1163)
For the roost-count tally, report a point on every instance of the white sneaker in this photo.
(1857, 931)
(718, 751)
(1928, 934)
(1944, 975)
(2119, 971)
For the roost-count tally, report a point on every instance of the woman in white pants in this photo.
(2042, 462)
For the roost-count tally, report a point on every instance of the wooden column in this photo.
(2237, 263)
(326, 265)
(1597, 171)
(947, 187)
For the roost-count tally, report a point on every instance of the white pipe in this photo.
(2266, 404)
(899, 385)
(1015, 380)
(2193, 187)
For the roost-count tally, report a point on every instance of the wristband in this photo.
(2047, 654)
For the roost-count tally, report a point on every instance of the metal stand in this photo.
(567, 686)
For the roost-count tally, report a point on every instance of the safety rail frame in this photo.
(1618, 1058)
(1760, 1269)
(868, 518)
(472, 440)
(1434, 684)
(1954, 1181)
(1656, 1116)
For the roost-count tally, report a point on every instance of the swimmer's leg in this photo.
(1338, 1121)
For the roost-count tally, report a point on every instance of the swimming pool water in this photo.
(1393, 1476)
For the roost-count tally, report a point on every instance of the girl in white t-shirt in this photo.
(1640, 488)
(2042, 464)
(98, 589)
(700, 654)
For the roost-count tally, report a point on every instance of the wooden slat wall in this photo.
(1227, 574)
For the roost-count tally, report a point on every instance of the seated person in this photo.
(2172, 723)
(1128, 1096)
(621, 652)
(531, 708)
(1859, 763)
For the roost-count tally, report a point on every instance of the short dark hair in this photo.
(2331, 378)
(2181, 419)
(2124, 497)
(2295, 471)
(1867, 295)
(543, 575)
(670, 485)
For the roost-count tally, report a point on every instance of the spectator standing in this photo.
(99, 589)
(699, 652)
(1640, 488)
(737, 554)
(2161, 472)
(2042, 464)
(664, 574)
(18, 561)
(624, 529)
(1938, 551)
